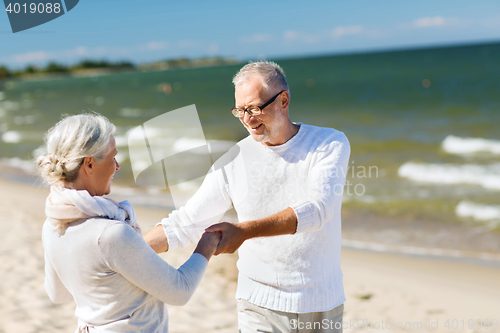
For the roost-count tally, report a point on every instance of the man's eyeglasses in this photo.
(253, 110)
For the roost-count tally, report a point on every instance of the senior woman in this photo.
(94, 251)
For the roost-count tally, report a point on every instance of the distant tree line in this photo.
(56, 68)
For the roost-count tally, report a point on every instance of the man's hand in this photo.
(233, 235)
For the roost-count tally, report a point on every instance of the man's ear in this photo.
(285, 100)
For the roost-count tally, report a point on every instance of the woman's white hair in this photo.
(272, 74)
(71, 140)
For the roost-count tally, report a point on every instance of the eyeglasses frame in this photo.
(262, 107)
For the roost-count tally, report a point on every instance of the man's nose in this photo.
(247, 117)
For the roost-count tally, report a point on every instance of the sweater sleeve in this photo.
(53, 285)
(327, 177)
(206, 207)
(126, 253)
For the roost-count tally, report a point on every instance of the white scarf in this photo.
(65, 205)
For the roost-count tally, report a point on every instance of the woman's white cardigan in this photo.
(118, 282)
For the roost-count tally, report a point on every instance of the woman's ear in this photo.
(88, 164)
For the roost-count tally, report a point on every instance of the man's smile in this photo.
(256, 127)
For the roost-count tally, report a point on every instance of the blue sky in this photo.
(151, 30)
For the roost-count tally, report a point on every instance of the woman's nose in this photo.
(117, 166)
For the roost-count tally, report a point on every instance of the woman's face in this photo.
(104, 170)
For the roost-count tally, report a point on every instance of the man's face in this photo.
(264, 128)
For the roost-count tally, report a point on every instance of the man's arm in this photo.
(207, 206)
(325, 186)
(234, 234)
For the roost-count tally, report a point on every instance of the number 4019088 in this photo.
(471, 324)
(33, 8)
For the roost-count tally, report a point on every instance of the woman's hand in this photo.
(208, 244)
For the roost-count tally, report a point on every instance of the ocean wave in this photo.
(9, 106)
(12, 137)
(130, 112)
(487, 176)
(460, 146)
(17, 163)
(480, 212)
(121, 140)
(419, 251)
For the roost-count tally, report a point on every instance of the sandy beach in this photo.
(385, 292)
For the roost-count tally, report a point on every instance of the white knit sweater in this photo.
(118, 282)
(297, 273)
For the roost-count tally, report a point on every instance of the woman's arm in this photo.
(126, 253)
(53, 286)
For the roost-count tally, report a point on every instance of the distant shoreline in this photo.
(183, 63)
(94, 68)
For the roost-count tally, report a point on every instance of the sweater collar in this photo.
(290, 143)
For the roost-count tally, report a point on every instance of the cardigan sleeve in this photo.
(325, 183)
(126, 253)
(53, 285)
(204, 208)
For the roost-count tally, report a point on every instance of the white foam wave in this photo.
(12, 137)
(418, 251)
(130, 112)
(457, 145)
(136, 135)
(480, 212)
(16, 162)
(487, 176)
(183, 144)
(9, 106)
(26, 120)
(121, 157)
(121, 141)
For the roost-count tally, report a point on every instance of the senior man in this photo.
(285, 182)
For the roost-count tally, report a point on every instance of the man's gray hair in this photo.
(69, 142)
(271, 73)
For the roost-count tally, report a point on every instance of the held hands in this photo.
(208, 244)
(233, 235)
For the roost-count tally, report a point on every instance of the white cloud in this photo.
(28, 57)
(82, 51)
(256, 38)
(78, 51)
(425, 22)
(490, 22)
(339, 32)
(186, 43)
(213, 49)
(155, 45)
(291, 35)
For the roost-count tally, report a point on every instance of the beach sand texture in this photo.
(380, 288)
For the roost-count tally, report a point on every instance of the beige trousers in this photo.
(253, 318)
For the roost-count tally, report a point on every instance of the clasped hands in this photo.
(230, 236)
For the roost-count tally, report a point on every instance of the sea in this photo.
(423, 124)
